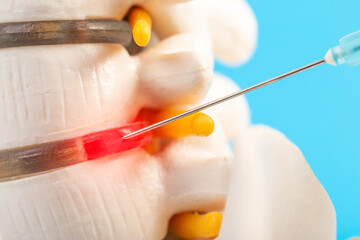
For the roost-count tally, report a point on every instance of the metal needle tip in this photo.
(223, 99)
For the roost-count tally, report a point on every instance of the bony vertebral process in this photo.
(172, 185)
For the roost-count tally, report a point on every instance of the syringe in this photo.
(348, 52)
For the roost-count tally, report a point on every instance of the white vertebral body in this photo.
(49, 93)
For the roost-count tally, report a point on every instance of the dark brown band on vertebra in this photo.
(19, 34)
(30, 160)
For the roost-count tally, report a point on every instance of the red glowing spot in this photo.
(111, 141)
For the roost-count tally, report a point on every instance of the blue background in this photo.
(318, 110)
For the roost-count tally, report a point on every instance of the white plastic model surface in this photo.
(50, 93)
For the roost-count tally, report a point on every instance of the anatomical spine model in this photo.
(53, 93)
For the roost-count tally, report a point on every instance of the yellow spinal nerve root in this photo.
(192, 225)
(197, 124)
(141, 23)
